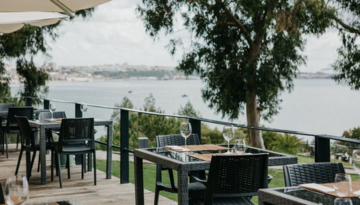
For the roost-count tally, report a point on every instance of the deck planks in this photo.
(107, 191)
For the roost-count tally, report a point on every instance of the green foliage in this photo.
(248, 52)
(188, 110)
(284, 143)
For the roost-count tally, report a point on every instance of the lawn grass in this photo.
(150, 173)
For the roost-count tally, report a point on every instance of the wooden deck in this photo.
(107, 191)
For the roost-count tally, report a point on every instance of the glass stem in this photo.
(228, 146)
(185, 142)
(52, 115)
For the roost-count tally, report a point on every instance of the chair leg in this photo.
(52, 165)
(82, 167)
(19, 160)
(7, 147)
(38, 167)
(68, 165)
(59, 169)
(157, 190)
(94, 158)
(17, 141)
(32, 163)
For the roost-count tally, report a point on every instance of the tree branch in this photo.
(347, 27)
(238, 24)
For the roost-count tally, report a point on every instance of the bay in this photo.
(317, 106)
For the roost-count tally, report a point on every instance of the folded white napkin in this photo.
(178, 148)
(318, 187)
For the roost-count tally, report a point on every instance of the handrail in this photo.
(322, 141)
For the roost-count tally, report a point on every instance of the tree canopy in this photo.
(21, 47)
(248, 52)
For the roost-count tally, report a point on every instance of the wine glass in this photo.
(240, 146)
(52, 109)
(16, 190)
(343, 201)
(343, 184)
(83, 108)
(185, 130)
(228, 134)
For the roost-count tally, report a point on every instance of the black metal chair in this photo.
(28, 143)
(321, 172)
(233, 179)
(4, 107)
(76, 138)
(196, 189)
(11, 126)
(49, 132)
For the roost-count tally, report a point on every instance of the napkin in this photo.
(317, 187)
(177, 148)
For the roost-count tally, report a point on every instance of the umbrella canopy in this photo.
(13, 21)
(67, 6)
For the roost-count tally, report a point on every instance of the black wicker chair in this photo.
(4, 107)
(76, 138)
(233, 179)
(27, 143)
(11, 126)
(196, 189)
(321, 172)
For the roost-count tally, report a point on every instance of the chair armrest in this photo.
(197, 179)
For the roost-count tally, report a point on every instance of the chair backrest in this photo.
(45, 115)
(321, 172)
(75, 131)
(236, 176)
(6, 106)
(163, 140)
(26, 133)
(18, 111)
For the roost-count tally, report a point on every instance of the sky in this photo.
(116, 35)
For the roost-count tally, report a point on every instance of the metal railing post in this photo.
(196, 127)
(46, 104)
(124, 145)
(322, 149)
(78, 112)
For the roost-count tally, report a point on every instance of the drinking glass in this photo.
(52, 109)
(228, 134)
(185, 130)
(16, 190)
(83, 108)
(343, 184)
(240, 146)
(343, 201)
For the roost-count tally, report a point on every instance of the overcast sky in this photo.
(114, 34)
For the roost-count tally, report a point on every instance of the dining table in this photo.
(297, 196)
(55, 124)
(183, 162)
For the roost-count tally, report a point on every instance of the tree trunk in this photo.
(253, 119)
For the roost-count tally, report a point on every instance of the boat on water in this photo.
(184, 96)
(130, 91)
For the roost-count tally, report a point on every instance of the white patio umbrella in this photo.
(67, 6)
(13, 21)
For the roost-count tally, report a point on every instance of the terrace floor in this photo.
(107, 191)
